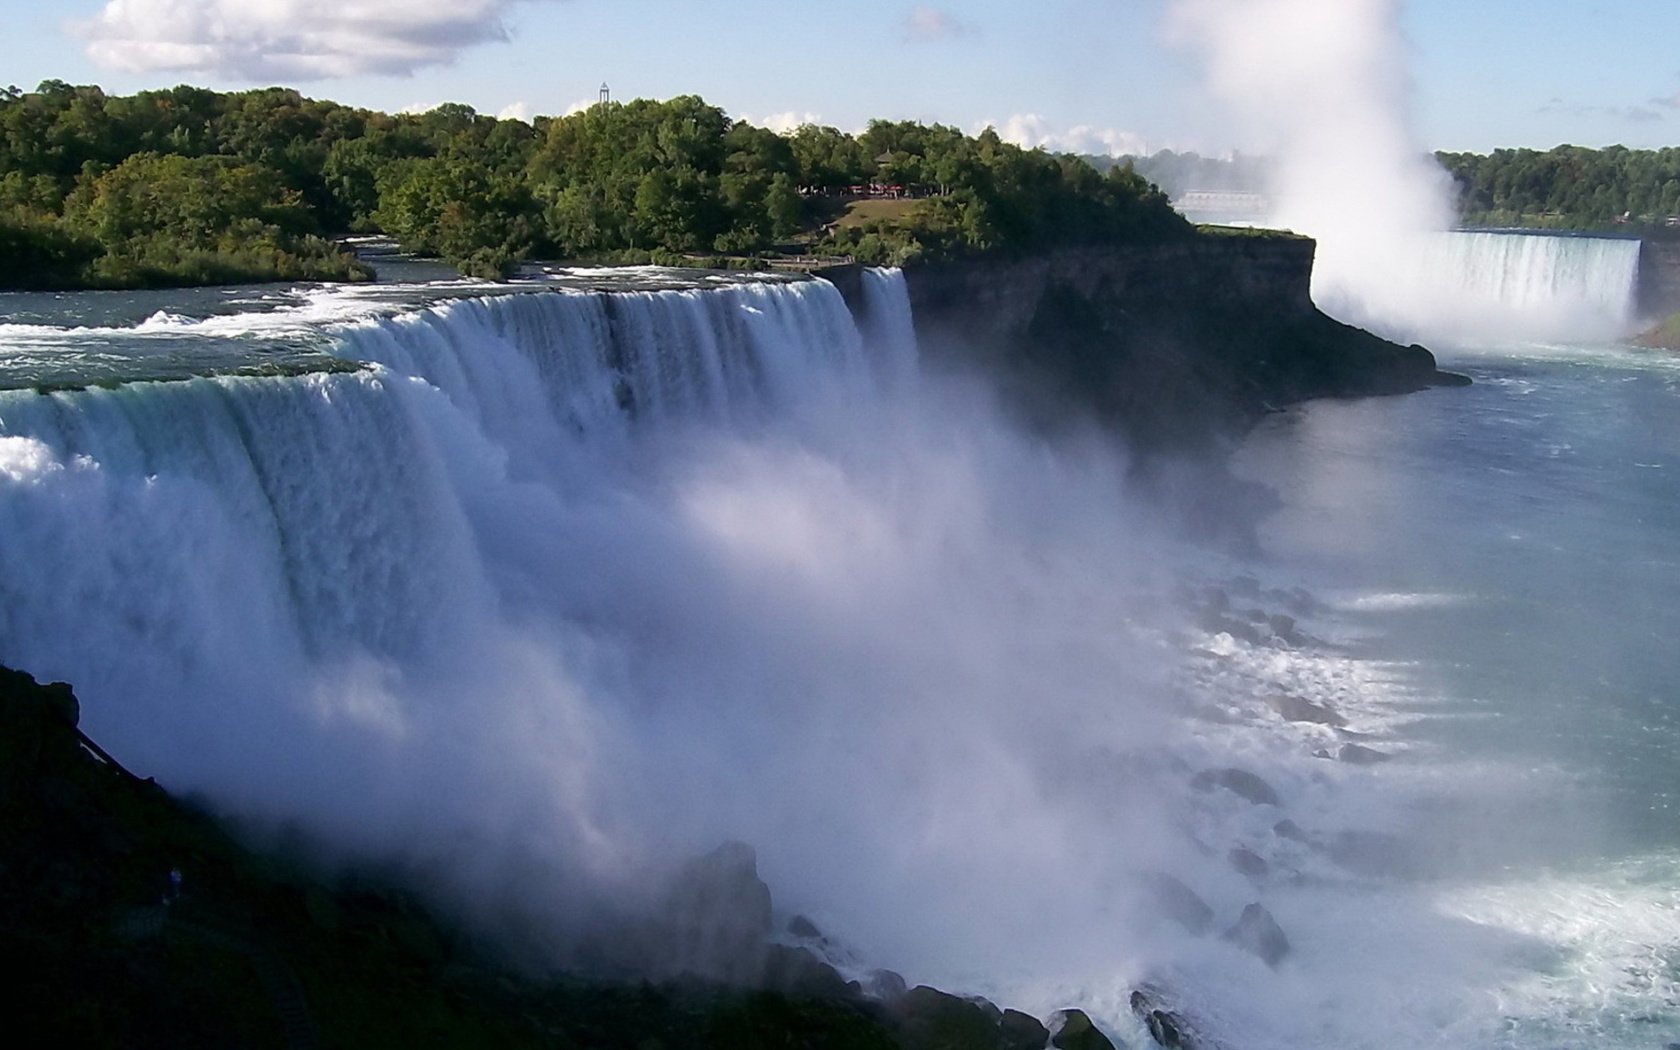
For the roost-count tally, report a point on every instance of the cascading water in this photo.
(1490, 284)
(564, 587)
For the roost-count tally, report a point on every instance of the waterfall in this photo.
(220, 560)
(1486, 284)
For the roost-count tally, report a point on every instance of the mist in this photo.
(1323, 89)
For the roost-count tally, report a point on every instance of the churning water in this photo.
(563, 586)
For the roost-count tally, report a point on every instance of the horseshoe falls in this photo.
(533, 595)
(1490, 284)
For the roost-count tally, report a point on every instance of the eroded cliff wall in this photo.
(1177, 343)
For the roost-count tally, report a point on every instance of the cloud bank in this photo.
(256, 40)
(1032, 131)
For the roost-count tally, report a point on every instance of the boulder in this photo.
(1360, 755)
(716, 920)
(803, 928)
(1167, 1028)
(1257, 932)
(796, 971)
(885, 985)
(1238, 781)
(1179, 902)
(1072, 1030)
(1247, 862)
(1288, 829)
(929, 1019)
(1022, 1031)
(1297, 709)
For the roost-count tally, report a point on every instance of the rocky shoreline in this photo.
(146, 923)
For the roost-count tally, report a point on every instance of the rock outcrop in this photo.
(1178, 343)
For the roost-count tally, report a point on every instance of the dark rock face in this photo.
(1022, 1031)
(716, 919)
(1295, 709)
(1072, 1030)
(1179, 343)
(1238, 781)
(1257, 932)
(1179, 902)
(929, 1019)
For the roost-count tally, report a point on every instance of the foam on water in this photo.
(563, 587)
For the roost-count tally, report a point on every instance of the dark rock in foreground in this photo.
(1072, 1030)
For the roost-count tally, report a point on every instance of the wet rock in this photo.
(796, 971)
(1179, 902)
(800, 926)
(1072, 1030)
(1164, 1026)
(1247, 862)
(1360, 755)
(885, 985)
(1022, 1031)
(1297, 709)
(929, 1019)
(1284, 628)
(1288, 829)
(1237, 781)
(716, 919)
(1257, 932)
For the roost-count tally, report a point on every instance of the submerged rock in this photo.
(1072, 1030)
(1179, 902)
(1288, 829)
(1360, 755)
(1237, 781)
(1247, 862)
(1257, 932)
(1296, 709)
(1164, 1026)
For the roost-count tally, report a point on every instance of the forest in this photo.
(1568, 187)
(191, 186)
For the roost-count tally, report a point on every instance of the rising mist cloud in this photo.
(1325, 88)
(256, 40)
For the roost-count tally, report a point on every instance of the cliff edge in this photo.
(1178, 343)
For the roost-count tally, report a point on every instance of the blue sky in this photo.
(1094, 74)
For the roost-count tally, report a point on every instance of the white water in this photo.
(570, 586)
(1454, 286)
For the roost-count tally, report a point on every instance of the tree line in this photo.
(192, 186)
(1567, 186)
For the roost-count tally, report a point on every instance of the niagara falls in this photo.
(1127, 526)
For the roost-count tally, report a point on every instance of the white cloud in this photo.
(516, 111)
(256, 40)
(931, 23)
(1032, 131)
(782, 123)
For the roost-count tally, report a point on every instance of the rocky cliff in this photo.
(1177, 343)
(1659, 276)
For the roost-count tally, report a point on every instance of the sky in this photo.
(1090, 75)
